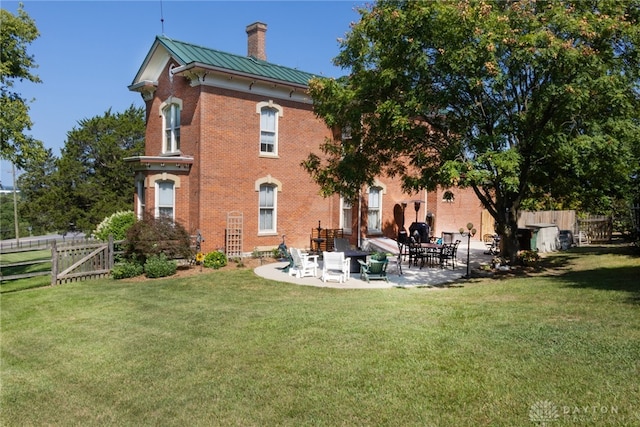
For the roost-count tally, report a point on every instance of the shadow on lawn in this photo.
(621, 279)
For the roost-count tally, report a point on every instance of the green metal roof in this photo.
(187, 53)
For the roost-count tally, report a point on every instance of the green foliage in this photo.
(529, 258)
(519, 100)
(126, 269)
(154, 236)
(91, 180)
(16, 33)
(215, 260)
(379, 256)
(116, 225)
(159, 266)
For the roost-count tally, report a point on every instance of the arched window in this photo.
(165, 199)
(268, 196)
(268, 188)
(346, 220)
(170, 112)
(141, 192)
(374, 212)
(448, 197)
(269, 113)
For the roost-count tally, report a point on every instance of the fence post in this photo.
(110, 253)
(54, 263)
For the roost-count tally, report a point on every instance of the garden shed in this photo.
(544, 237)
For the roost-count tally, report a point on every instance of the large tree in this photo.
(16, 33)
(519, 100)
(90, 180)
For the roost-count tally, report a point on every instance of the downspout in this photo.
(359, 219)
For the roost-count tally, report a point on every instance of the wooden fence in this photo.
(72, 262)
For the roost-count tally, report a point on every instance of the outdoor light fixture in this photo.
(470, 232)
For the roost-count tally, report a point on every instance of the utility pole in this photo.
(15, 205)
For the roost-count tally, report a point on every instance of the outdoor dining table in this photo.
(427, 250)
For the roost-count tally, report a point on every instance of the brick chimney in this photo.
(256, 33)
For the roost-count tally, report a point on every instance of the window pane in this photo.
(374, 198)
(266, 219)
(374, 220)
(268, 119)
(266, 196)
(267, 142)
(165, 212)
(165, 194)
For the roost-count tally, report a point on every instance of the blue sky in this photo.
(88, 52)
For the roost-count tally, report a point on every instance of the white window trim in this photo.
(171, 100)
(269, 180)
(141, 187)
(383, 190)
(346, 230)
(163, 177)
(280, 110)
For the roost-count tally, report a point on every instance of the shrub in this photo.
(159, 266)
(155, 236)
(379, 256)
(126, 269)
(215, 260)
(116, 225)
(529, 258)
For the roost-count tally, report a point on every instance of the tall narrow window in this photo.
(171, 117)
(165, 205)
(347, 216)
(268, 128)
(141, 198)
(374, 210)
(267, 208)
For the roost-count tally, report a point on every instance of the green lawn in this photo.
(229, 348)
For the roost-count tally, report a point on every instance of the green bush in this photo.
(379, 256)
(155, 236)
(116, 225)
(159, 266)
(126, 269)
(215, 260)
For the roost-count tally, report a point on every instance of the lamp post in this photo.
(470, 232)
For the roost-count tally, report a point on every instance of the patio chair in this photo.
(340, 244)
(374, 269)
(447, 255)
(304, 265)
(491, 243)
(335, 266)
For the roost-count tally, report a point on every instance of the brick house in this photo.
(226, 135)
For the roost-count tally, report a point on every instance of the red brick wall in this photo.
(220, 129)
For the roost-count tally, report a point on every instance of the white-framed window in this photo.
(141, 192)
(374, 209)
(346, 219)
(170, 112)
(267, 207)
(269, 114)
(165, 199)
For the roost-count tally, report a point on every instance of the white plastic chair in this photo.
(335, 266)
(304, 265)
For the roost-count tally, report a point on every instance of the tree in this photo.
(519, 100)
(16, 33)
(90, 180)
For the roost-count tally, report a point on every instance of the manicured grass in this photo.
(6, 259)
(228, 348)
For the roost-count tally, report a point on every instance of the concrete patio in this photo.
(430, 277)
